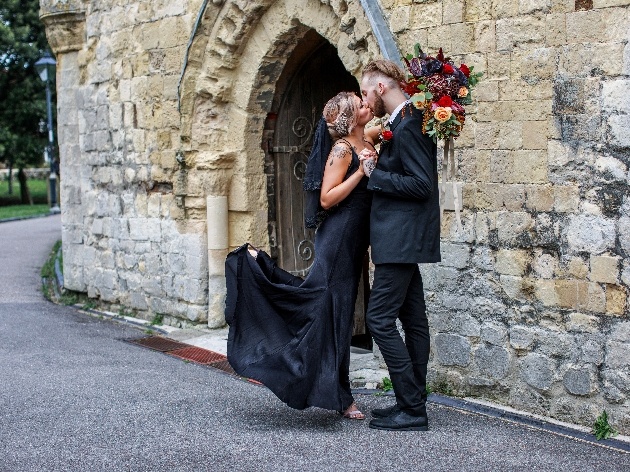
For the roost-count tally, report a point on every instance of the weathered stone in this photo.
(494, 333)
(591, 234)
(492, 361)
(511, 262)
(578, 381)
(452, 349)
(537, 371)
(604, 269)
(521, 337)
(616, 297)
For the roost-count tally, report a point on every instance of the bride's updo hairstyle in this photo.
(340, 113)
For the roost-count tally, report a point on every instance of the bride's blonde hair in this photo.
(341, 114)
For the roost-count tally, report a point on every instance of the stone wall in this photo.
(161, 115)
(530, 304)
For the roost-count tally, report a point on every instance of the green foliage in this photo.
(19, 211)
(157, 319)
(48, 269)
(22, 93)
(387, 384)
(441, 386)
(602, 429)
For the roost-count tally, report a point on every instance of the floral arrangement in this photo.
(436, 84)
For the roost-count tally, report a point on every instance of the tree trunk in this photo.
(25, 195)
(10, 178)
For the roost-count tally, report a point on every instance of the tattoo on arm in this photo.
(340, 152)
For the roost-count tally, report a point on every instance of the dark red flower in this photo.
(411, 87)
(445, 101)
(447, 69)
(386, 135)
(464, 68)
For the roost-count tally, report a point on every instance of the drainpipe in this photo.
(384, 36)
(217, 221)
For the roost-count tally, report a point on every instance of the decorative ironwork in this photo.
(306, 249)
(299, 169)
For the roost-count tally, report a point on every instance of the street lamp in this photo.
(46, 68)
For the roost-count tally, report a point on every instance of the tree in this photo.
(22, 93)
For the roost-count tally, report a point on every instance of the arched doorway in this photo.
(312, 75)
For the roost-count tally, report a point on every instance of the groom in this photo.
(404, 230)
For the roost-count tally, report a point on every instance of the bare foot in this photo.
(353, 413)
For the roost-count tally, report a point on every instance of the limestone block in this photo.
(590, 233)
(487, 91)
(463, 37)
(578, 60)
(512, 286)
(484, 37)
(580, 322)
(512, 262)
(545, 292)
(566, 198)
(595, 26)
(399, 19)
(453, 11)
(613, 169)
(556, 29)
(512, 32)
(625, 273)
(592, 297)
(545, 265)
(216, 302)
(452, 349)
(604, 269)
(579, 381)
(609, 3)
(614, 96)
(483, 258)
(592, 350)
(512, 224)
(144, 229)
(476, 10)
(618, 135)
(492, 361)
(535, 135)
(537, 371)
(521, 337)
(529, 166)
(616, 298)
(455, 255)
(426, 15)
(539, 197)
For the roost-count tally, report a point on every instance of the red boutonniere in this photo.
(386, 135)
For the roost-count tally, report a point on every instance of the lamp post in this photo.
(46, 68)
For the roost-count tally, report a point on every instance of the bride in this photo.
(293, 334)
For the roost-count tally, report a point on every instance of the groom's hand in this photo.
(368, 166)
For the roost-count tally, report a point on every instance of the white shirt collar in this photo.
(392, 117)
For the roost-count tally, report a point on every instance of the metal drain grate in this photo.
(158, 343)
(223, 365)
(198, 355)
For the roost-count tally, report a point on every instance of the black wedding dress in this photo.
(293, 334)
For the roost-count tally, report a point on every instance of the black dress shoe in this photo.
(401, 421)
(385, 412)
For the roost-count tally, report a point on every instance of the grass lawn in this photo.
(38, 189)
(14, 211)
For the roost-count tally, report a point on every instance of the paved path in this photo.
(74, 397)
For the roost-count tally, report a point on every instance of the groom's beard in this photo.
(379, 107)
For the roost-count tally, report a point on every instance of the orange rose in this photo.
(442, 114)
(463, 91)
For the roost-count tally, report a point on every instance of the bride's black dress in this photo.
(293, 334)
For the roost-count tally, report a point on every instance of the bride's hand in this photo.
(368, 164)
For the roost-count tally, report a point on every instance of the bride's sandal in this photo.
(353, 413)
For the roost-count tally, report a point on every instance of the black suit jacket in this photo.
(405, 218)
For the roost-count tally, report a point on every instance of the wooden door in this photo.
(320, 77)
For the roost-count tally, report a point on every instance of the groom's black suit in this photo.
(404, 231)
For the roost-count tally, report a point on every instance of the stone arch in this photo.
(230, 82)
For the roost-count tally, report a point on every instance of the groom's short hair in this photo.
(385, 69)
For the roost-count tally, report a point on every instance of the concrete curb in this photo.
(20, 218)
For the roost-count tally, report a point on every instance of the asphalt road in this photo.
(75, 397)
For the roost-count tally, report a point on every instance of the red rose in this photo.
(411, 87)
(464, 68)
(445, 101)
(447, 69)
(386, 135)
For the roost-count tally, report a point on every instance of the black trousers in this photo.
(397, 292)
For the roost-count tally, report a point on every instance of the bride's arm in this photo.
(371, 134)
(334, 188)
